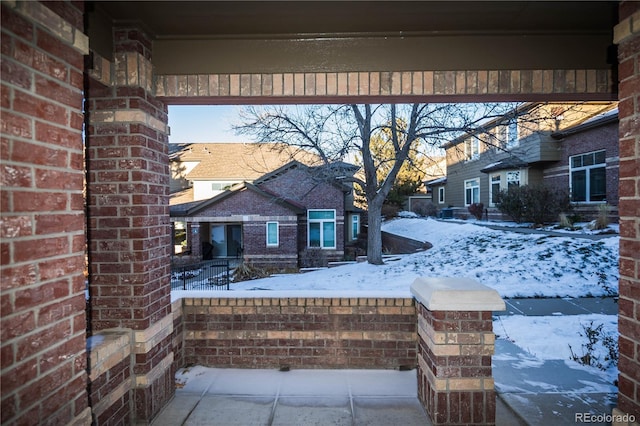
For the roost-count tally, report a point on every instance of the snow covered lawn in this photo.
(514, 264)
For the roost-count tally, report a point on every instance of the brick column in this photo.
(455, 345)
(43, 349)
(193, 238)
(129, 229)
(627, 36)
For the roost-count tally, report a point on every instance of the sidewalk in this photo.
(550, 392)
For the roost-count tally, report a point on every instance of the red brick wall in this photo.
(128, 209)
(260, 209)
(313, 192)
(455, 383)
(119, 411)
(601, 138)
(43, 353)
(300, 332)
(629, 303)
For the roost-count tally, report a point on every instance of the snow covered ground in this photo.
(514, 264)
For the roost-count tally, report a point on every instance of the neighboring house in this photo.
(422, 201)
(296, 215)
(201, 170)
(572, 147)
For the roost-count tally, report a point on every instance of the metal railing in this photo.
(208, 275)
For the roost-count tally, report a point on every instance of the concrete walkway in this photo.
(550, 392)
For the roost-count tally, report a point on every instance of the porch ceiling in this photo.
(201, 37)
(197, 19)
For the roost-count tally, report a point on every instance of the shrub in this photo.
(602, 221)
(247, 271)
(533, 203)
(565, 222)
(591, 356)
(390, 211)
(477, 210)
(313, 258)
(427, 209)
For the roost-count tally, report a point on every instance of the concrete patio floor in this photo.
(213, 396)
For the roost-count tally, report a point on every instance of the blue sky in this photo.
(203, 123)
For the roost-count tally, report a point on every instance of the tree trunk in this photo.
(374, 235)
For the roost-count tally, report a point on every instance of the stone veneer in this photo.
(455, 345)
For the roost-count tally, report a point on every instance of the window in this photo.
(471, 191)
(494, 187)
(322, 228)
(273, 237)
(588, 177)
(221, 186)
(513, 179)
(512, 138)
(355, 226)
(471, 149)
(441, 195)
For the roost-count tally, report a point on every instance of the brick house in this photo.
(565, 146)
(296, 215)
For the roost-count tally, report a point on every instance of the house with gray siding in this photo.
(571, 147)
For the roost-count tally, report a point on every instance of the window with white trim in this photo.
(471, 149)
(588, 177)
(471, 191)
(494, 188)
(355, 226)
(512, 134)
(441, 195)
(273, 234)
(321, 228)
(513, 178)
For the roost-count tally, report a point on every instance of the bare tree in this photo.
(336, 131)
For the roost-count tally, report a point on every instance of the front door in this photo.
(226, 240)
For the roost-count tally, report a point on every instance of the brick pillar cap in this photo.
(456, 294)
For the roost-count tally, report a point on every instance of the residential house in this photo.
(422, 201)
(572, 147)
(295, 215)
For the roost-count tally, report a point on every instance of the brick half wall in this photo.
(300, 332)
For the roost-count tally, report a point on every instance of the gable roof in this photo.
(278, 199)
(238, 161)
(332, 173)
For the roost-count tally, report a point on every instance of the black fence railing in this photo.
(208, 275)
